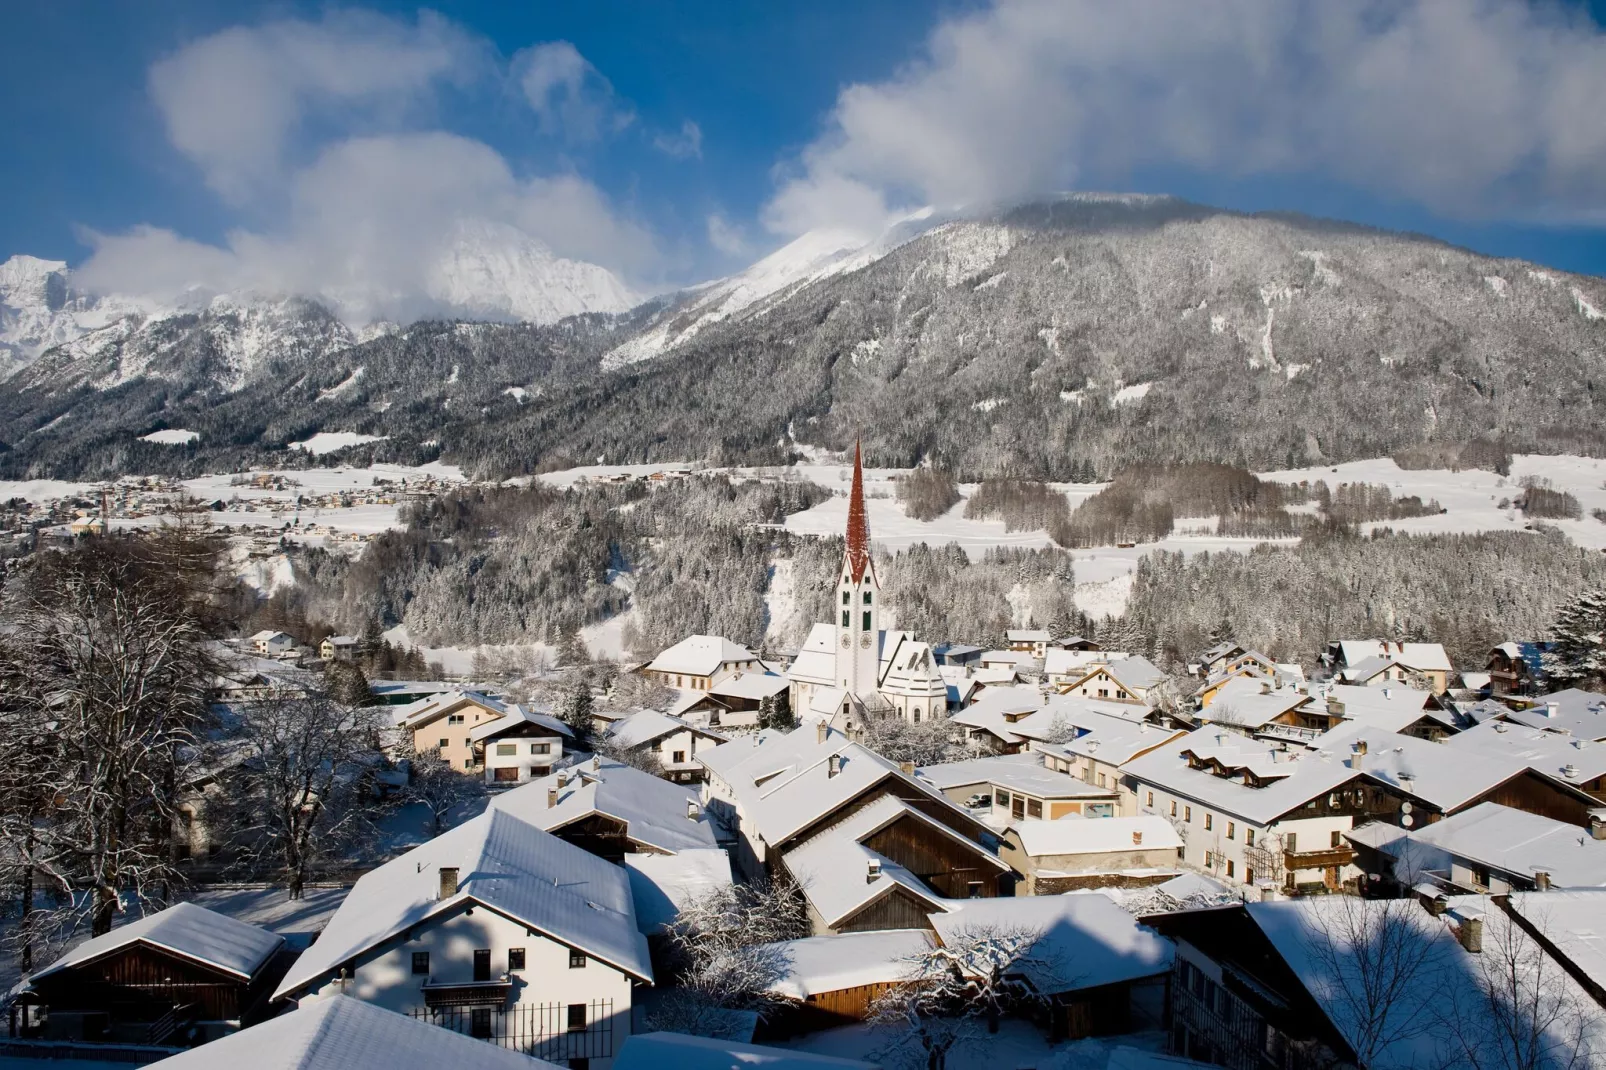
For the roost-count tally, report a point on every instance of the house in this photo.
(182, 971)
(1033, 641)
(338, 648)
(990, 720)
(699, 661)
(1018, 787)
(1363, 660)
(1566, 924)
(612, 810)
(1075, 642)
(1255, 706)
(1580, 714)
(1075, 853)
(495, 929)
(348, 1034)
(1406, 710)
(1491, 848)
(1063, 666)
(273, 644)
(444, 723)
(1579, 762)
(403, 692)
(1261, 812)
(1129, 679)
(957, 655)
(1097, 744)
(520, 746)
(1516, 669)
(673, 741)
(778, 790)
(678, 1051)
(834, 980)
(1090, 958)
(1014, 661)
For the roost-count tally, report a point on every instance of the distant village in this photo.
(878, 849)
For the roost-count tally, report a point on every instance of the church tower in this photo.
(858, 652)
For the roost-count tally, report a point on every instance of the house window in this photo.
(479, 1023)
(455, 718)
(1338, 839)
(1002, 798)
(468, 763)
(577, 1017)
(515, 959)
(1232, 828)
(506, 750)
(1229, 867)
(421, 963)
(1209, 821)
(443, 744)
(1034, 808)
(1249, 837)
(540, 748)
(482, 964)
(1103, 782)
(1210, 859)
(1017, 809)
(1249, 876)
(1151, 798)
(1104, 692)
(1173, 808)
(973, 888)
(577, 960)
(1291, 842)
(1480, 876)
(506, 774)
(1187, 814)
(680, 757)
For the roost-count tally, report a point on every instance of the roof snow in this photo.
(654, 811)
(344, 1033)
(680, 1051)
(663, 884)
(820, 964)
(186, 930)
(700, 655)
(648, 726)
(1578, 713)
(1024, 773)
(1095, 835)
(1555, 754)
(507, 865)
(1512, 841)
(1424, 657)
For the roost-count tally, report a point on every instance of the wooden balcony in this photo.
(1332, 856)
(467, 993)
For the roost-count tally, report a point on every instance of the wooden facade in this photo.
(897, 909)
(948, 868)
(604, 836)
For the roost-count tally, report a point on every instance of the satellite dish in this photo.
(1407, 820)
(1405, 807)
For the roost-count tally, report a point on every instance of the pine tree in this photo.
(1578, 657)
(576, 709)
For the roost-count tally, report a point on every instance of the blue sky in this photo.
(673, 140)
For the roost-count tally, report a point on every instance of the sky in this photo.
(327, 149)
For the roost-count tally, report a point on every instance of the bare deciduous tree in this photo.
(440, 789)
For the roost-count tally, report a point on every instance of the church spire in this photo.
(858, 525)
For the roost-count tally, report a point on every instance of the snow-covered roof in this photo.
(504, 864)
(417, 714)
(681, 1051)
(819, 964)
(750, 685)
(700, 655)
(1426, 657)
(1389, 708)
(1095, 835)
(1060, 661)
(1102, 734)
(1251, 702)
(1370, 668)
(1376, 834)
(653, 810)
(999, 709)
(1571, 920)
(1579, 713)
(345, 1033)
(1024, 773)
(187, 930)
(833, 869)
(268, 635)
(1513, 841)
(1027, 635)
(663, 884)
(1086, 939)
(515, 717)
(1135, 673)
(648, 726)
(1564, 757)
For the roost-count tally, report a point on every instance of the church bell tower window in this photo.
(845, 616)
(866, 622)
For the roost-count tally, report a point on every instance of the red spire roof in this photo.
(858, 525)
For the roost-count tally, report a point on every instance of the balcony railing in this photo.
(466, 993)
(1332, 856)
(556, 1032)
(1294, 732)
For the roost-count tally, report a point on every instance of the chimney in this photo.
(906, 768)
(1388, 692)
(1597, 824)
(1438, 905)
(1360, 746)
(1469, 930)
(1542, 880)
(551, 798)
(833, 765)
(1500, 726)
(1552, 709)
(1137, 839)
(822, 732)
(1569, 770)
(1265, 687)
(448, 882)
(692, 810)
(872, 870)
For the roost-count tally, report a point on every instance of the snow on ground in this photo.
(173, 436)
(330, 441)
(568, 477)
(606, 640)
(43, 490)
(1127, 394)
(459, 660)
(1016, 1044)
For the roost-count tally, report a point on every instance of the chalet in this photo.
(780, 790)
(663, 884)
(612, 810)
(672, 740)
(1090, 957)
(1406, 710)
(519, 746)
(182, 971)
(1516, 669)
(1063, 666)
(348, 1034)
(1366, 660)
(1033, 641)
(496, 929)
(1098, 744)
(338, 648)
(1074, 642)
(1077, 853)
(1490, 848)
(1214, 660)
(1258, 707)
(272, 644)
(699, 661)
(1019, 787)
(990, 720)
(1579, 762)
(1130, 679)
(445, 724)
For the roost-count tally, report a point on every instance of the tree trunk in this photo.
(25, 955)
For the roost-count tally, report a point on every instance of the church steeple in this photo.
(858, 525)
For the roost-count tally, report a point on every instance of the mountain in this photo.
(494, 271)
(1075, 335)
(40, 308)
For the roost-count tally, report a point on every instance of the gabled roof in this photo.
(652, 809)
(663, 884)
(516, 717)
(1027, 635)
(1562, 757)
(1516, 842)
(648, 726)
(504, 864)
(1135, 673)
(1570, 920)
(700, 655)
(819, 964)
(832, 867)
(345, 1033)
(1103, 733)
(1370, 668)
(1244, 701)
(1389, 708)
(1024, 773)
(1095, 835)
(189, 931)
(1060, 661)
(1580, 713)
(750, 685)
(1422, 656)
(417, 714)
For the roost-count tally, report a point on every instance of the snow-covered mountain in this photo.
(40, 308)
(494, 271)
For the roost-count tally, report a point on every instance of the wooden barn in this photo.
(150, 981)
(828, 981)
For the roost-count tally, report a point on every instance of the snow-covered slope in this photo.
(497, 271)
(39, 308)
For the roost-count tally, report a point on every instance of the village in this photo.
(880, 849)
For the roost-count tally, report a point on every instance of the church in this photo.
(850, 669)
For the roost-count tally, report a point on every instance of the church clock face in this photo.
(845, 642)
(864, 641)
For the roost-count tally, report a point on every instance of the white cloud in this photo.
(687, 143)
(567, 93)
(726, 236)
(233, 102)
(1468, 106)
